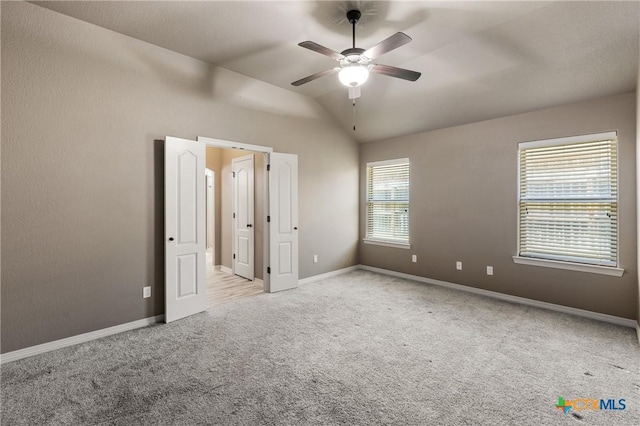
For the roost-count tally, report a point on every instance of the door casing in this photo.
(265, 150)
(211, 213)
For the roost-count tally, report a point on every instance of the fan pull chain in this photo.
(354, 115)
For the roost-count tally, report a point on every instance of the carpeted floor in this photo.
(359, 349)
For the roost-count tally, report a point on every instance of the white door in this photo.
(283, 222)
(242, 216)
(185, 236)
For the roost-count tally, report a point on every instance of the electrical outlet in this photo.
(459, 265)
(489, 270)
(146, 292)
(414, 258)
(315, 258)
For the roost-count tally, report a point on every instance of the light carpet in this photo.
(360, 348)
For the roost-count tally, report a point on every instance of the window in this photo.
(388, 203)
(568, 201)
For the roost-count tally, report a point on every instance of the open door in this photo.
(283, 223)
(243, 217)
(185, 236)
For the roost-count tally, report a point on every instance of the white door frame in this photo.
(265, 150)
(211, 212)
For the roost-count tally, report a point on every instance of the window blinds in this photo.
(388, 201)
(568, 201)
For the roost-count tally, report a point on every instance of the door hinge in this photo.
(234, 174)
(234, 255)
(268, 167)
(268, 269)
(268, 218)
(234, 215)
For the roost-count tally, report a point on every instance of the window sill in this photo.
(387, 243)
(592, 269)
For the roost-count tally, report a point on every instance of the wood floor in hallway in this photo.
(223, 287)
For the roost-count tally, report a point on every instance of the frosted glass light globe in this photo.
(353, 75)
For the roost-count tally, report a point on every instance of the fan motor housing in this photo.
(352, 51)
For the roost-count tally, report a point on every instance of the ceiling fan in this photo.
(355, 63)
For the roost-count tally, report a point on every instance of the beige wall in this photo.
(84, 113)
(464, 205)
(213, 162)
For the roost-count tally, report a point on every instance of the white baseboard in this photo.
(514, 299)
(80, 338)
(86, 337)
(224, 269)
(328, 274)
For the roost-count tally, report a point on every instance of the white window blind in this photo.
(569, 199)
(388, 201)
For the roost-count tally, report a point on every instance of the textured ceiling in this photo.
(479, 60)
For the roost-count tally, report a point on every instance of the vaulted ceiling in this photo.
(479, 60)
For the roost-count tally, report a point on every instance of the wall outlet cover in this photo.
(146, 292)
(489, 270)
(459, 266)
(414, 258)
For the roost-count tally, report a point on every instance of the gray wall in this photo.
(82, 171)
(464, 205)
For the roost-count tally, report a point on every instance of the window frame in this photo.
(559, 263)
(384, 241)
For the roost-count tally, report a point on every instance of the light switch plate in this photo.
(459, 266)
(489, 270)
(146, 292)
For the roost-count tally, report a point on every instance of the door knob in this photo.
(295, 228)
(170, 238)
(249, 226)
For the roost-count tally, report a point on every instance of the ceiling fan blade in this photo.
(387, 45)
(396, 72)
(315, 76)
(321, 49)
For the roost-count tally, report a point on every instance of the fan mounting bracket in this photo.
(353, 16)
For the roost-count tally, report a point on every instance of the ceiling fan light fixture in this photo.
(353, 75)
(355, 63)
